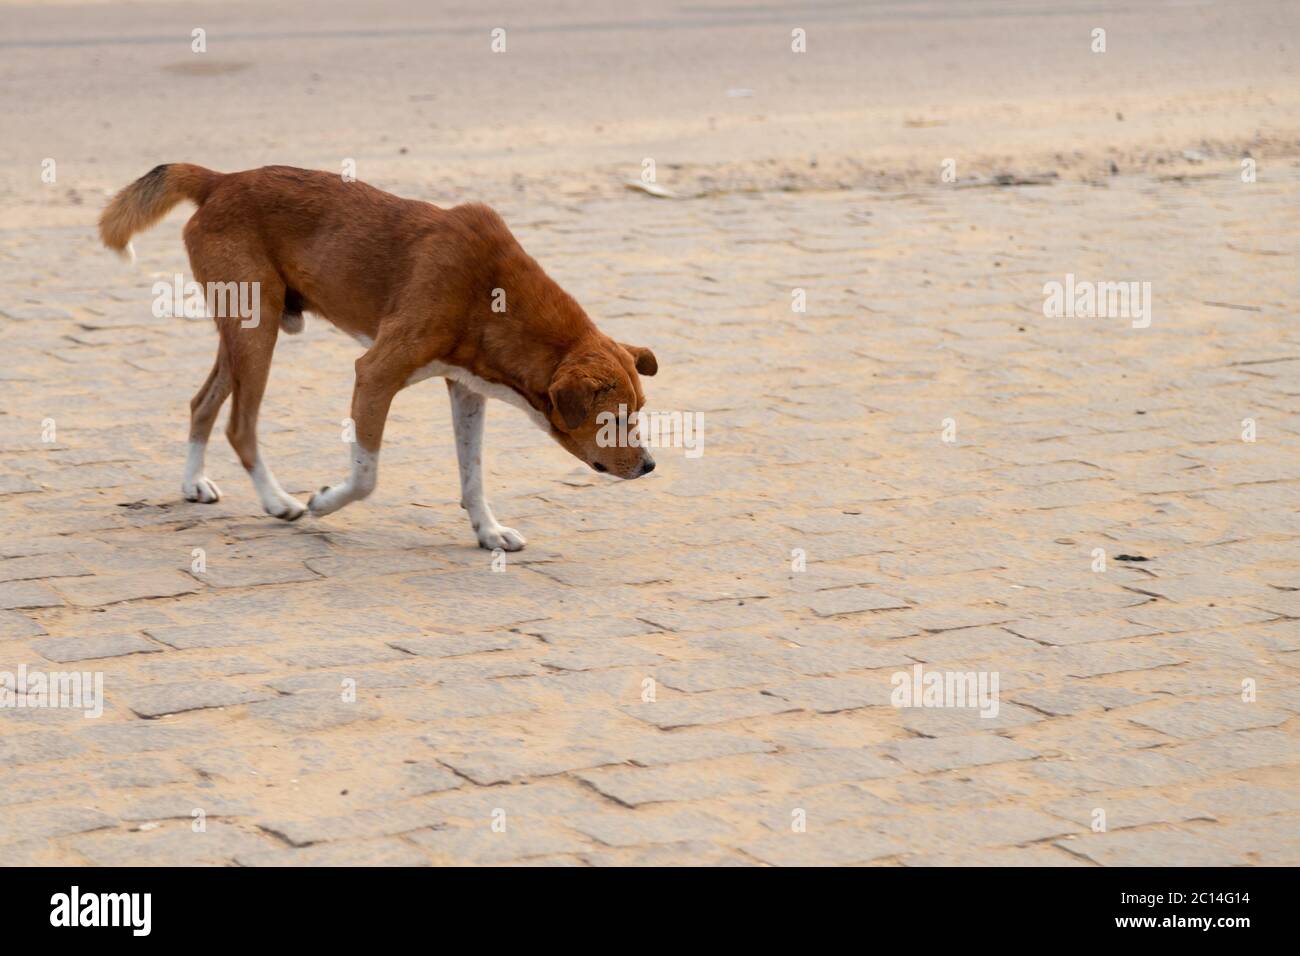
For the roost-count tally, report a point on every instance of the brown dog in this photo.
(428, 291)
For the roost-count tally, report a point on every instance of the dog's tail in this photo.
(149, 198)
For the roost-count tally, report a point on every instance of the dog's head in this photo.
(595, 395)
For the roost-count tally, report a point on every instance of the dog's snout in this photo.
(647, 466)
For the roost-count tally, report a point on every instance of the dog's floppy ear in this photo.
(572, 393)
(645, 360)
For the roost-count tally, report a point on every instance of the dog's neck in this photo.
(540, 327)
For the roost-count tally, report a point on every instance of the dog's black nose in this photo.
(647, 466)
(599, 467)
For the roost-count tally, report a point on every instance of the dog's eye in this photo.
(599, 467)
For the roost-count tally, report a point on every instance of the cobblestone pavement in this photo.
(696, 667)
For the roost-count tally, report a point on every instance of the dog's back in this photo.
(341, 247)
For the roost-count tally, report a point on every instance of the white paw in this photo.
(329, 499)
(499, 536)
(202, 490)
(285, 508)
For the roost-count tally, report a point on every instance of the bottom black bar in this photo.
(335, 905)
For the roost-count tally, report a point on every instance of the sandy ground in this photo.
(584, 93)
(917, 470)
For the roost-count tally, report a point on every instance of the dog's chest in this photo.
(487, 389)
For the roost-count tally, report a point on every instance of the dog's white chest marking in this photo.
(475, 384)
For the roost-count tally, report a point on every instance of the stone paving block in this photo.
(988, 826)
(1283, 603)
(470, 612)
(834, 657)
(961, 790)
(451, 701)
(1118, 771)
(1244, 750)
(129, 772)
(112, 589)
(1094, 660)
(634, 786)
(159, 699)
(181, 804)
(649, 825)
(219, 843)
(1170, 619)
(1246, 800)
(202, 636)
(455, 645)
(729, 644)
(41, 566)
(373, 563)
(1081, 630)
(1204, 588)
(688, 853)
(680, 746)
(971, 643)
(813, 808)
(712, 617)
(828, 695)
(1191, 719)
(587, 629)
(28, 594)
(695, 676)
(383, 851)
(15, 625)
(607, 653)
(1274, 842)
(337, 654)
(557, 799)
(19, 749)
(1078, 698)
(179, 668)
(950, 721)
(250, 573)
(487, 768)
(588, 689)
(68, 649)
(139, 736)
(1122, 811)
(813, 768)
(938, 620)
(1153, 848)
(926, 755)
(482, 845)
(360, 825)
(714, 707)
(299, 713)
(46, 786)
(833, 846)
(823, 577)
(1020, 856)
(366, 680)
(17, 485)
(44, 823)
(931, 565)
(853, 601)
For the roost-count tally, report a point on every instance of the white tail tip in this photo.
(128, 253)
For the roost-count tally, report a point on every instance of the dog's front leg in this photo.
(381, 373)
(467, 413)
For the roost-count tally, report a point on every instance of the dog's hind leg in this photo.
(381, 373)
(207, 402)
(468, 410)
(249, 347)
